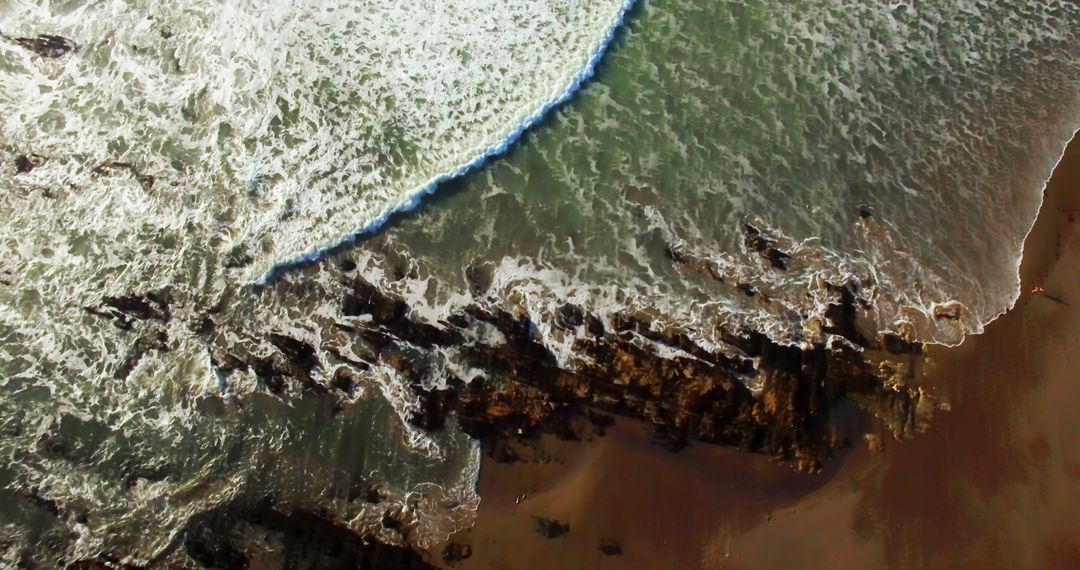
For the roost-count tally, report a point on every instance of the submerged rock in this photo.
(455, 553)
(521, 389)
(24, 164)
(115, 167)
(223, 539)
(949, 311)
(47, 45)
(750, 393)
(766, 246)
(125, 310)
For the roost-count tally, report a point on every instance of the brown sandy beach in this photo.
(994, 483)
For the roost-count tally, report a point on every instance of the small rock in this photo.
(950, 311)
(346, 264)
(570, 316)
(599, 421)
(24, 164)
(551, 528)
(47, 45)
(236, 257)
(748, 289)
(479, 277)
(610, 547)
(757, 240)
(454, 553)
(674, 255)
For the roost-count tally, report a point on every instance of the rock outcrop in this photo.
(756, 395)
(753, 394)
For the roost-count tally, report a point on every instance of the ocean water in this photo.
(215, 152)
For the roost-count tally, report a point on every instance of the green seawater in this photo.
(942, 119)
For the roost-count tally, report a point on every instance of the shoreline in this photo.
(939, 498)
(1073, 139)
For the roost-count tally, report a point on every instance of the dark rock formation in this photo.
(47, 45)
(26, 163)
(294, 362)
(221, 540)
(142, 345)
(610, 548)
(237, 257)
(700, 396)
(757, 240)
(100, 564)
(213, 550)
(551, 528)
(697, 395)
(951, 311)
(115, 167)
(34, 497)
(842, 314)
(125, 310)
(455, 553)
(479, 277)
(144, 315)
(748, 289)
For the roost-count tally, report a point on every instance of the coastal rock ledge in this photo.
(798, 405)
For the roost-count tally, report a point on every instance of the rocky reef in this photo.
(264, 536)
(755, 394)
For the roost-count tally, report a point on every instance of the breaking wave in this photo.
(163, 155)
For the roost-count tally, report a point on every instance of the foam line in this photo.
(500, 149)
(1019, 291)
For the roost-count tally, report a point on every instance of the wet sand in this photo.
(994, 483)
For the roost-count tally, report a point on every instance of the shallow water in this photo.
(943, 121)
(260, 133)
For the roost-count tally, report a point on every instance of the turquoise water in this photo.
(271, 132)
(941, 123)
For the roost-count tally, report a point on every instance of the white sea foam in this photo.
(189, 147)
